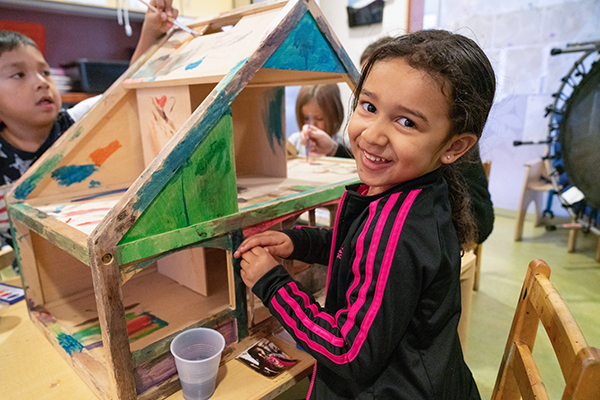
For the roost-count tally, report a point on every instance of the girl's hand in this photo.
(319, 141)
(255, 263)
(274, 242)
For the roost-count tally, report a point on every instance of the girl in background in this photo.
(319, 114)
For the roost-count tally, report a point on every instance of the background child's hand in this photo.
(276, 243)
(161, 22)
(255, 263)
(320, 141)
(155, 25)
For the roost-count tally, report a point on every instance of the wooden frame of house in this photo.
(124, 229)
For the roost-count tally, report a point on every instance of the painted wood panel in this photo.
(202, 189)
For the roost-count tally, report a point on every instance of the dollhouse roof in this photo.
(93, 190)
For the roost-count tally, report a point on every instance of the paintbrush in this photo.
(175, 22)
(307, 138)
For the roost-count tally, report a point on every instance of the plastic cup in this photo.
(197, 355)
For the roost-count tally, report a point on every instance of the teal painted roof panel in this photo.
(305, 49)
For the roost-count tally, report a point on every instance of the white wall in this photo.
(517, 37)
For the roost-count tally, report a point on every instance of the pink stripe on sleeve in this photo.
(311, 306)
(370, 262)
(309, 323)
(383, 274)
(359, 252)
(333, 238)
(289, 321)
(391, 246)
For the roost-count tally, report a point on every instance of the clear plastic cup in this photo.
(197, 355)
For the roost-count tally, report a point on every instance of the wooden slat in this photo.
(29, 269)
(587, 369)
(524, 326)
(139, 249)
(111, 316)
(65, 237)
(580, 365)
(565, 335)
(232, 16)
(527, 374)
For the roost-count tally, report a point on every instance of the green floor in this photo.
(576, 277)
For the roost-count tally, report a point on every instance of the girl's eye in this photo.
(368, 107)
(46, 73)
(406, 122)
(17, 75)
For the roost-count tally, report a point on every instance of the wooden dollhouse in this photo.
(124, 229)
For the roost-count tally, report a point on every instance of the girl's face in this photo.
(399, 129)
(316, 115)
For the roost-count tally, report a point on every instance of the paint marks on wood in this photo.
(194, 64)
(70, 174)
(99, 156)
(305, 49)
(273, 119)
(138, 326)
(29, 184)
(83, 215)
(202, 189)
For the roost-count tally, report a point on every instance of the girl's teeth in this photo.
(373, 158)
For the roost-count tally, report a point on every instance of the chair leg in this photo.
(520, 222)
(572, 239)
(477, 253)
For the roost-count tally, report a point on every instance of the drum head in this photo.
(580, 137)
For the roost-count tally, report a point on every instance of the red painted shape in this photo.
(99, 156)
(161, 101)
(138, 323)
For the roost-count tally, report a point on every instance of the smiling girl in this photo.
(388, 328)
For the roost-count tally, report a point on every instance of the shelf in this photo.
(68, 8)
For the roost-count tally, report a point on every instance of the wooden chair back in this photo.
(580, 364)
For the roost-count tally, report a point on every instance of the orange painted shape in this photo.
(99, 156)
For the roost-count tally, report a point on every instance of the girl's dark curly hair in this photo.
(467, 79)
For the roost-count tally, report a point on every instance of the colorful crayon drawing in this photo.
(138, 326)
(3, 215)
(84, 215)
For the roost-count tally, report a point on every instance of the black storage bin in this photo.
(94, 76)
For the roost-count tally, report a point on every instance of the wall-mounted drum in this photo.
(574, 137)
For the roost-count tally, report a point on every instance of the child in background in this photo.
(31, 114)
(388, 328)
(324, 106)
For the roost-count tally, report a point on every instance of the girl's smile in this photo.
(399, 129)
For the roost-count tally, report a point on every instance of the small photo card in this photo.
(266, 358)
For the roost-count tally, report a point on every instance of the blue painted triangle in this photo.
(305, 49)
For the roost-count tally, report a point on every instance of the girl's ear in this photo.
(458, 146)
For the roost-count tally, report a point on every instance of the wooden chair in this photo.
(487, 167)
(580, 364)
(536, 183)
